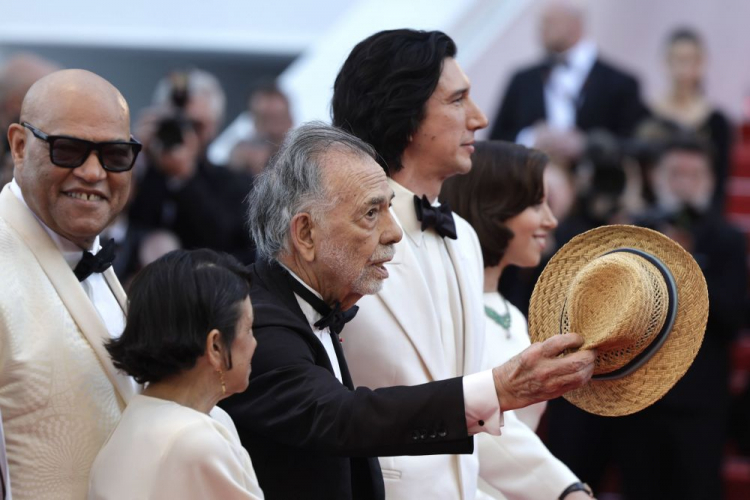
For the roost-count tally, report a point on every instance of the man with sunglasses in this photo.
(60, 395)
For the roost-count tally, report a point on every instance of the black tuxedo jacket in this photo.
(609, 100)
(309, 436)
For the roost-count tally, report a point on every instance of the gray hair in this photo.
(292, 184)
(199, 83)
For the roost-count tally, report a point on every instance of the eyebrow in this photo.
(458, 93)
(379, 200)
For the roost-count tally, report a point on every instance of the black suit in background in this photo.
(609, 100)
(206, 211)
(674, 448)
(309, 436)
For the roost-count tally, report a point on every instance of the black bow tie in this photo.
(333, 318)
(98, 263)
(440, 218)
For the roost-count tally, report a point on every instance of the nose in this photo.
(476, 119)
(391, 231)
(255, 345)
(92, 170)
(549, 221)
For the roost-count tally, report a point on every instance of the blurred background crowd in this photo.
(644, 110)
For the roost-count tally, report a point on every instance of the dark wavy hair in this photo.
(174, 303)
(382, 88)
(504, 180)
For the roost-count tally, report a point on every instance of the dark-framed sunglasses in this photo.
(71, 152)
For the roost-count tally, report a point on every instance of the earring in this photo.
(223, 384)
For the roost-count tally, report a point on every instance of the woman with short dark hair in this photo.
(504, 199)
(189, 338)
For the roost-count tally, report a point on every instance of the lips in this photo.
(381, 271)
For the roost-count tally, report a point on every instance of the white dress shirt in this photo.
(323, 334)
(562, 90)
(95, 285)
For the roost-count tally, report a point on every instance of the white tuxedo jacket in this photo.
(60, 395)
(395, 340)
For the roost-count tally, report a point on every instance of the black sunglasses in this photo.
(71, 152)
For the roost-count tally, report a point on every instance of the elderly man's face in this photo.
(76, 203)
(443, 143)
(358, 234)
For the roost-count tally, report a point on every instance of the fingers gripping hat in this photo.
(638, 298)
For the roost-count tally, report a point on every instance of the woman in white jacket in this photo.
(189, 338)
(504, 198)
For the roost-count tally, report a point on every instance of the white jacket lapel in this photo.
(413, 309)
(469, 288)
(70, 291)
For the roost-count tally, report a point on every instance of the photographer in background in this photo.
(685, 432)
(180, 190)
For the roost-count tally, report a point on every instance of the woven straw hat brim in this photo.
(650, 382)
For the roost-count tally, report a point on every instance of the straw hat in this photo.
(638, 298)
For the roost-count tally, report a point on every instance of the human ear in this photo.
(215, 351)
(303, 236)
(17, 142)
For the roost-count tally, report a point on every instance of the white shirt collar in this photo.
(311, 315)
(581, 56)
(71, 252)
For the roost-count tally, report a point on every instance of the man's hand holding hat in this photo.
(540, 372)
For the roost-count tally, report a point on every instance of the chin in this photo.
(463, 166)
(368, 287)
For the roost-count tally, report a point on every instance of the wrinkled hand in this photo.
(538, 373)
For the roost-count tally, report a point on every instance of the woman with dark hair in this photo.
(684, 107)
(504, 199)
(189, 338)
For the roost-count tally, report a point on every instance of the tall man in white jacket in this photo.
(403, 92)
(60, 394)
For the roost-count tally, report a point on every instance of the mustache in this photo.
(383, 252)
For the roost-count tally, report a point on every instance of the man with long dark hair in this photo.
(404, 92)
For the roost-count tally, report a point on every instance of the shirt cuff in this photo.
(482, 408)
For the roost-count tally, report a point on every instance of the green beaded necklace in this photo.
(501, 319)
